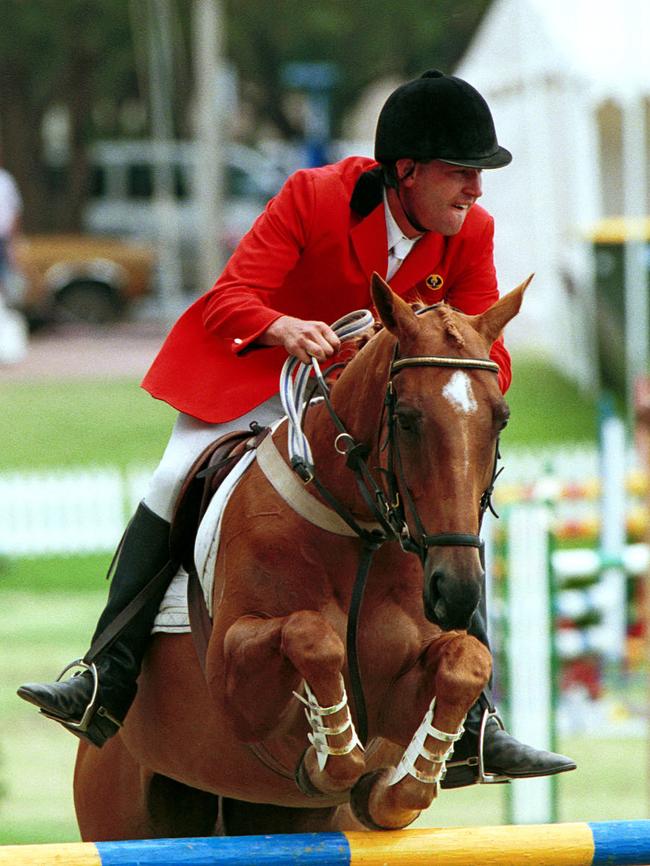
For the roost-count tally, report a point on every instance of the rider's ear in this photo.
(404, 168)
(490, 323)
(395, 314)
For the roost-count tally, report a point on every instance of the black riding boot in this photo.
(143, 553)
(501, 757)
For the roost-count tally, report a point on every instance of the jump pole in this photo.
(530, 656)
(616, 843)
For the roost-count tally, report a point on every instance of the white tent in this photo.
(567, 81)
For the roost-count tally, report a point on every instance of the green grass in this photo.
(547, 408)
(81, 422)
(115, 422)
(45, 574)
(40, 634)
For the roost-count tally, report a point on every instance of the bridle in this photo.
(388, 503)
(399, 492)
(389, 506)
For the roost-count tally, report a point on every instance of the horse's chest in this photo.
(389, 640)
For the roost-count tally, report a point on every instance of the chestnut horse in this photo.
(264, 739)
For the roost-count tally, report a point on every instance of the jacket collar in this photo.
(368, 191)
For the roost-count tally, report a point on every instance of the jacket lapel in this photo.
(424, 259)
(370, 242)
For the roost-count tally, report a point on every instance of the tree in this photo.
(70, 53)
(86, 55)
(365, 41)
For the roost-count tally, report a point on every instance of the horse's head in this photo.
(446, 413)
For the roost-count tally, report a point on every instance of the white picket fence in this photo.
(84, 510)
(78, 510)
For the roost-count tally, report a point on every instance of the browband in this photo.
(456, 363)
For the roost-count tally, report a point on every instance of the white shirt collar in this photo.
(394, 233)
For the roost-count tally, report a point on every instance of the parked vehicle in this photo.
(95, 277)
(122, 194)
(80, 278)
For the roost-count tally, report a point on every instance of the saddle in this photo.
(200, 485)
(202, 482)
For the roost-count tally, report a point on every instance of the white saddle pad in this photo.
(173, 617)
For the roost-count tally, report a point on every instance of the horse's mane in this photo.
(446, 313)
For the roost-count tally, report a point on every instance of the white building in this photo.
(568, 83)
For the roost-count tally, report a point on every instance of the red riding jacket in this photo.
(311, 255)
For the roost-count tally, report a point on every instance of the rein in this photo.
(386, 507)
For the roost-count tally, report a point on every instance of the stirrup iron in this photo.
(483, 777)
(83, 724)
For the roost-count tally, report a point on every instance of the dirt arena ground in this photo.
(124, 349)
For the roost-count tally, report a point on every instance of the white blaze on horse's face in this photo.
(458, 392)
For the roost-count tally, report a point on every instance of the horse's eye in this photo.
(407, 419)
(502, 415)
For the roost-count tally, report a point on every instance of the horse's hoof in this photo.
(304, 782)
(360, 800)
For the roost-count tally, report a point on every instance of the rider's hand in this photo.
(301, 338)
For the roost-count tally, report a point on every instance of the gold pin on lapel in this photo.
(434, 281)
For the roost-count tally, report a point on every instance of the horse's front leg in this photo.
(270, 663)
(455, 671)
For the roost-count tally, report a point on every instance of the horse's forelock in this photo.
(451, 328)
(448, 317)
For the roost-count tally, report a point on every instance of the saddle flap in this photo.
(202, 481)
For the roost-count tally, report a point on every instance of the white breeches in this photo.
(188, 439)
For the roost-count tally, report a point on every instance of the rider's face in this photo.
(438, 195)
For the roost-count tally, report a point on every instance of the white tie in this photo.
(398, 252)
(402, 248)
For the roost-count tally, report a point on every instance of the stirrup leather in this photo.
(483, 778)
(92, 709)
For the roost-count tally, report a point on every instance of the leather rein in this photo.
(388, 506)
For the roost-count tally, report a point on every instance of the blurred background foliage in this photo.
(89, 58)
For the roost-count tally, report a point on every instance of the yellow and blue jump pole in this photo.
(615, 843)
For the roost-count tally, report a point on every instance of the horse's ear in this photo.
(490, 323)
(395, 314)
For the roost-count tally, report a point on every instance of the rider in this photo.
(410, 214)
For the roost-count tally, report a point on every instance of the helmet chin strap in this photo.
(414, 221)
(417, 225)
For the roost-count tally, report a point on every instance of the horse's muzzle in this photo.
(453, 582)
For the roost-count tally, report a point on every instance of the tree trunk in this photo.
(20, 125)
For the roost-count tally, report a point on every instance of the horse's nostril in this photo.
(440, 611)
(448, 600)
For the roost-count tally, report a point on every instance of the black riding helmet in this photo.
(438, 116)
